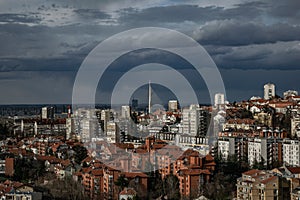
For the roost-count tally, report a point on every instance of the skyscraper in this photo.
(269, 91)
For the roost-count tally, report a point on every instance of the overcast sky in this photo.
(43, 43)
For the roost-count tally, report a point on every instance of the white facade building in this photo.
(257, 150)
(112, 131)
(226, 147)
(269, 91)
(173, 105)
(190, 120)
(69, 127)
(295, 126)
(125, 112)
(219, 99)
(44, 112)
(86, 124)
(291, 152)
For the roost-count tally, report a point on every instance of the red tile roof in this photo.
(135, 174)
(251, 172)
(128, 191)
(272, 178)
(294, 170)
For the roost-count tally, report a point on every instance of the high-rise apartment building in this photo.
(125, 112)
(269, 91)
(264, 150)
(194, 120)
(219, 99)
(291, 152)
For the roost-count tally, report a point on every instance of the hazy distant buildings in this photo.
(112, 132)
(48, 112)
(86, 124)
(106, 116)
(219, 121)
(269, 91)
(69, 127)
(134, 104)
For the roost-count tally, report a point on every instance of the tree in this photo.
(122, 182)
(28, 169)
(80, 153)
(66, 189)
(221, 187)
(171, 187)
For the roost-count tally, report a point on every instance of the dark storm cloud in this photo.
(40, 64)
(288, 9)
(49, 40)
(19, 18)
(181, 13)
(92, 14)
(242, 84)
(280, 55)
(237, 33)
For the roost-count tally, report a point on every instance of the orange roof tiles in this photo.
(251, 172)
(128, 191)
(294, 170)
(272, 178)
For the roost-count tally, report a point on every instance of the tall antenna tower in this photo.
(149, 98)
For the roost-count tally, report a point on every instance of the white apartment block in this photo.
(257, 150)
(111, 132)
(291, 152)
(226, 147)
(190, 120)
(69, 127)
(125, 112)
(85, 123)
(194, 120)
(295, 126)
(44, 112)
(265, 149)
(219, 99)
(269, 91)
(232, 146)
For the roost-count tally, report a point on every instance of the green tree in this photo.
(80, 153)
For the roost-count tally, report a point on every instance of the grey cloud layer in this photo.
(42, 37)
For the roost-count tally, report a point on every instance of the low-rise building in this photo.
(261, 184)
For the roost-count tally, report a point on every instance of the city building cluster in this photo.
(136, 153)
